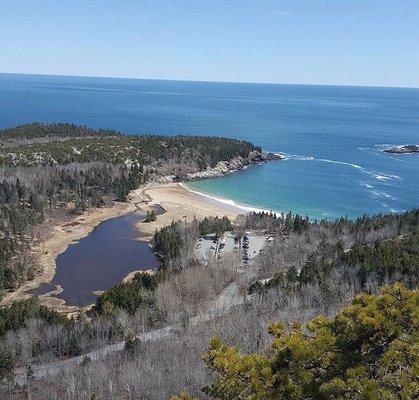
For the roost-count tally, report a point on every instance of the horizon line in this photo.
(210, 81)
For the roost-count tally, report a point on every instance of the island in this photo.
(405, 149)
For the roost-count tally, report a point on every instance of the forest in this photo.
(61, 144)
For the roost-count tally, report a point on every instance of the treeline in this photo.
(168, 241)
(36, 130)
(65, 144)
(371, 266)
(272, 222)
(294, 223)
(385, 261)
(21, 209)
(20, 312)
(215, 225)
(16, 317)
(129, 296)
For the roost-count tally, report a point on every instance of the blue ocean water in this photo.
(333, 136)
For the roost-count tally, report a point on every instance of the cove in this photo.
(101, 260)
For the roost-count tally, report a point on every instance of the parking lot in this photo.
(249, 245)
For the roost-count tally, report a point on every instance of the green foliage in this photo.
(36, 130)
(150, 216)
(214, 225)
(384, 261)
(7, 363)
(128, 296)
(273, 222)
(387, 260)
(19, 312)
(168, 241)
(368, 351)
(49, 144)
(359, 228)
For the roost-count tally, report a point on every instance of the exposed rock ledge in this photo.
(408, 148)
(235, 164)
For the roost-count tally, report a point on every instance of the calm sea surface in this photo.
(333, 136)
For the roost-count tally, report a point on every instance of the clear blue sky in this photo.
(353, 42)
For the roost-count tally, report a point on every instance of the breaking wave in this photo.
(381, 176)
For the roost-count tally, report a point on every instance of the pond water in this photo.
(101, 260)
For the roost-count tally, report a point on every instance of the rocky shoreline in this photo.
(233, 165)
(405, 149)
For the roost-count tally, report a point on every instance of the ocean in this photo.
(332, 137)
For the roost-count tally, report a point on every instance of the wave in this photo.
(381, 176)
(340, 162)
(230, 202)
(367, 185)
(295, 157)
(311, 158)
(383, 194)
(377, 175)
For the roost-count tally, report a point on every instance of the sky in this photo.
(339, 42)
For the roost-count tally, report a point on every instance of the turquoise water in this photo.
(333, 136)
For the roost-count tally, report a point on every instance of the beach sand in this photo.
(181, 204)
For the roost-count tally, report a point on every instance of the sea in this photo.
(332, 137)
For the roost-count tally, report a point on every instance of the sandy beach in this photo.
(178, 203)
(181, 204)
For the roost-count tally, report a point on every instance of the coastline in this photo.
(244, 208)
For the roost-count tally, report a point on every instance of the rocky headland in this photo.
(227, 167)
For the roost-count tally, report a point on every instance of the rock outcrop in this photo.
(235, 164)
(406, 149)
